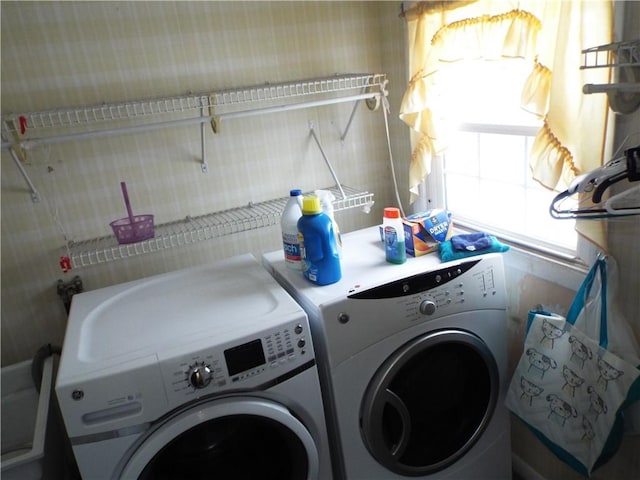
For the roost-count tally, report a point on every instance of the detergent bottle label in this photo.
(289, 225)
(394, 247)
(291, 247)
(308, 268)
(319, 254)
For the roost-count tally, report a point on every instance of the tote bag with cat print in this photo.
(569, 389)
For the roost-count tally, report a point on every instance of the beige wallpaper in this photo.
(59, 54)
(63, 54)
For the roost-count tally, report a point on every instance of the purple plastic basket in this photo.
(132, 230)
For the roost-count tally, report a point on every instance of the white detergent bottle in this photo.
(289, 225)
(326, 202)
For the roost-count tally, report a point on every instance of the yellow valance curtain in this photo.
(551, 35)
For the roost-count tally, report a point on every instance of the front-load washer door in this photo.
(429, 402)
(231, 438)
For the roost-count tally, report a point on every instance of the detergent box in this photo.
(423, 231)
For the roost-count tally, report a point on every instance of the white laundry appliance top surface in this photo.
(173, 313)
(363, 266)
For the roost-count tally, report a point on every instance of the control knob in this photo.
(427, 307)
(199, 375)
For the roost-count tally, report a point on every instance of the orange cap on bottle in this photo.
(391, 212)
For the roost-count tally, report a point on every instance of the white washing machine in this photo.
(413, 362)
(206, 372)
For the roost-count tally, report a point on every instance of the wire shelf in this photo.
(23, 131)
(624, 94)
(618, 54)
(197, 229)
(268, 92)
(16, 125)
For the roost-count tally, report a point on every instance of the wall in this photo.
(623, 235)
(62, 54)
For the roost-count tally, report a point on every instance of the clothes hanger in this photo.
(612, 209)
(588, 181)
(597, 181)
(558, 213)
(631, 171)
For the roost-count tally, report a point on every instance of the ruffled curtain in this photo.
(551, 35)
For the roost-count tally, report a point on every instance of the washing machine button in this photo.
(200, 375)
(427, 307)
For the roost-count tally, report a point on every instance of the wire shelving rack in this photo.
(24, 131)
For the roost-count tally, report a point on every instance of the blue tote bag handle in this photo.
(581, 297)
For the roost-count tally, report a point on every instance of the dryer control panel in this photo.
(243, 364)
(451, 289)
(422, 282)
(456, 290)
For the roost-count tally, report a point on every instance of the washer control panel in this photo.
(245, 363)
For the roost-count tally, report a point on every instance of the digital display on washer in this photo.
(244, 357)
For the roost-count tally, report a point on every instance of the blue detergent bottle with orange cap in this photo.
(318, 247)
(394, 244)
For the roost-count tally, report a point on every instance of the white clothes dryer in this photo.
(413, 362)
(207, 372)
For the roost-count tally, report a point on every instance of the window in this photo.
(444, 38)
(485, 177)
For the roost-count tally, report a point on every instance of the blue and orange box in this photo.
(424, 231)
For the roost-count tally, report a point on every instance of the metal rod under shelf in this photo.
(297, 106)
(628, 87)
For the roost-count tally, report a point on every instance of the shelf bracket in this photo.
(372, 102)
(203, 114)
(353, 113)
(333, 173)
(35, 196)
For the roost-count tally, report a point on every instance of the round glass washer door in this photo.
(429, 402)
(231, 438)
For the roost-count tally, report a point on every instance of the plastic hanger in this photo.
(587, 182)
(598, 181)
(631, 172)
(612, 209)
(558, 213)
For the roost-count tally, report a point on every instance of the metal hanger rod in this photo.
(298, 106)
